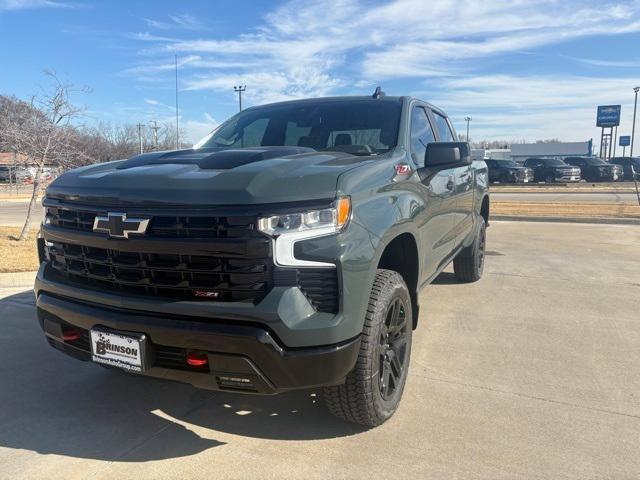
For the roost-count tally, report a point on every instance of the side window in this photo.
(443, 128)
(421, 134)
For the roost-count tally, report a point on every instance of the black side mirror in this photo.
(447, 155)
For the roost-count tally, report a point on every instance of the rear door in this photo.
(436, 221)
(463, 182)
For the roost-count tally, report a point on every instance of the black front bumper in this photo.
(241, 357)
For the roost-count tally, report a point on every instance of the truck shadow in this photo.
(52, 404)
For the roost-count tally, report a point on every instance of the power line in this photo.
(155, 129)
(140, 125)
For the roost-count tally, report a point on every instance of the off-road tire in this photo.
(361, 399)
(469, 263)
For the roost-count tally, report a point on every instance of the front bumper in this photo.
(241, 357)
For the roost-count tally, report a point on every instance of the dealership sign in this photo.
(608, 116)
(625, 140)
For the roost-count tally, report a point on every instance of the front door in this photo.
(436, 221)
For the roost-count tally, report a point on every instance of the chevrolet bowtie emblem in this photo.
(117, 225)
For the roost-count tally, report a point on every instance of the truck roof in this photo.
(331, 99)
(350, 99)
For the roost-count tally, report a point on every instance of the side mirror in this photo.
(447, 155)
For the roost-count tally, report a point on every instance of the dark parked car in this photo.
(593, 169)
(508, 171)
(630, 165)
(285, 251)
(551, 170)
(5, 174)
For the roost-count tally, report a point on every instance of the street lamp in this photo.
(467, 119)
(633, 127)
(239, 90)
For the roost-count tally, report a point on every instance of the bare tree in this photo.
(41, 132)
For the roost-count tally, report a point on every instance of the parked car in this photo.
(551, 170)
(5, 174)
(9, 173)
(630, 165)
(508, 171)
(593, 169)
(243, 267)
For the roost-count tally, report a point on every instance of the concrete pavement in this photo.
(548, 197)
(530, 373)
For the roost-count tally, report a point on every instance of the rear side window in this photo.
(444, 130)
(421, 134)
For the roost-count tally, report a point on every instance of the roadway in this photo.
(532, 372)
(12, 213)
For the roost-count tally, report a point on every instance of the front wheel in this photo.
(469, 263)
(372, 390)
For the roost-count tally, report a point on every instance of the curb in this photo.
(596, 220)
(17, 279)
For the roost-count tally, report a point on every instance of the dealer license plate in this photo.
(117, 350)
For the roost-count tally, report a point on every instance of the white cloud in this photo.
(515, 107)
(310, 48)
(7, 5)
(183, 21)
(197, 129)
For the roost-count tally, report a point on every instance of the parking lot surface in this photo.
(530, 373)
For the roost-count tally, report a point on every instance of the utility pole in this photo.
(239, 90)
(633, 128)
(467, 119)
(155, 128)
(177, 126)
(140, 135)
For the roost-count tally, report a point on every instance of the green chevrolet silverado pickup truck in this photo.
(286, 250)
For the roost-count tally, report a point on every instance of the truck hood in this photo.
(211, 176)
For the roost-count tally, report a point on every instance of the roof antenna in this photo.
(378, 93)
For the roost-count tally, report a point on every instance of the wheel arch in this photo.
(401, 255)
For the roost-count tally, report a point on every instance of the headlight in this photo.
(327, 220)
(45, 220)
(290, 228)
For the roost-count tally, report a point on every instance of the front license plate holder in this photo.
(125, 350)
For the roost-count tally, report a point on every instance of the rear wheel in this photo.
(549, 179)
(372, 390)
(469, 263)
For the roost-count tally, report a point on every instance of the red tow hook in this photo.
(71, 334)
(197, 359)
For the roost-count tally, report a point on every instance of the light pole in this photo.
(467, 119)
(633, 127)
(239, 90)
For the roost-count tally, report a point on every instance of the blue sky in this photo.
(521, 69)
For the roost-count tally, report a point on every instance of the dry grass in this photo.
(582, 210)
(17, 256)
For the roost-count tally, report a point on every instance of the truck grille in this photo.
(226, 258)
(168, 275)
(160, 226)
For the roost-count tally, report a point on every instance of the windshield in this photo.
(359, 127)
(553, 162)
(594, 161)
(507, 163)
